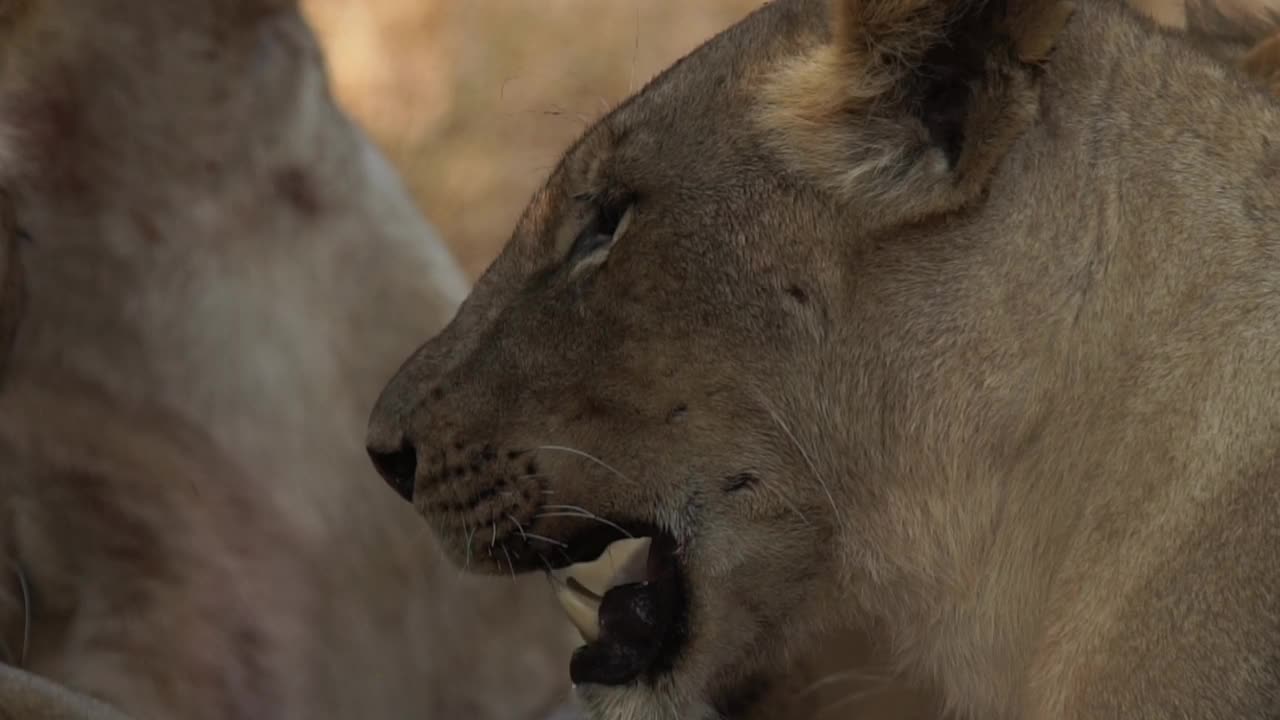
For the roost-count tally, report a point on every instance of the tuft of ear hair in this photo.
(909, 105)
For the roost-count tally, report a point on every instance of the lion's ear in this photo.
(910, 103)
(1263, 62)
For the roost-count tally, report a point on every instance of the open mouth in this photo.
(631, 608)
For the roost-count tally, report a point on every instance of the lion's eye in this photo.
(607, 223)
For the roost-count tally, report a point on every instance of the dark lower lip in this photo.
(644, 626)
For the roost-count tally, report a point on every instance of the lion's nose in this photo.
(396, 461)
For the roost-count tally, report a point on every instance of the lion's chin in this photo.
(631, 607)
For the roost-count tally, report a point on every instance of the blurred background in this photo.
(474, 100)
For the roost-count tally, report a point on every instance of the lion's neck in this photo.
(1054, 409)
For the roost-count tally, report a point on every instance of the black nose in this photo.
(397, 466)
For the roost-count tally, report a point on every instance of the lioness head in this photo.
(721, 326)
(649, 354)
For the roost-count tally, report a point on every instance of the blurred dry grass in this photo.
(475, 99)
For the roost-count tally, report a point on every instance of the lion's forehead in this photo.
(697, 109)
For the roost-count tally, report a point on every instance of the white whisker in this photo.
(471, 534)
(551, 574)
(26, 614)
(839, 677)
(519, 527)
(782, 497)
(542, 538)
(586, 456)
(813, 469)
(575, 508)
(850, 698)
(574, 511)
(510, 564)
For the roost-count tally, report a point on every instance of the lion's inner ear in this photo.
(910, 104)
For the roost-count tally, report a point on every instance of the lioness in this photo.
(184, 531)
(958, 320)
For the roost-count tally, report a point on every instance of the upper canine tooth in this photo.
(579, 588)
(583, 611)
(623, 562)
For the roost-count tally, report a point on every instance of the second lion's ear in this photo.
(910, 104)
(1263, 63)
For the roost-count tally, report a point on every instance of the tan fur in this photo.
(221, 271)
(31, 697)
(13, 17)
(1238, 31)
(1191, 15)
(12, 294)
(955, 324)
